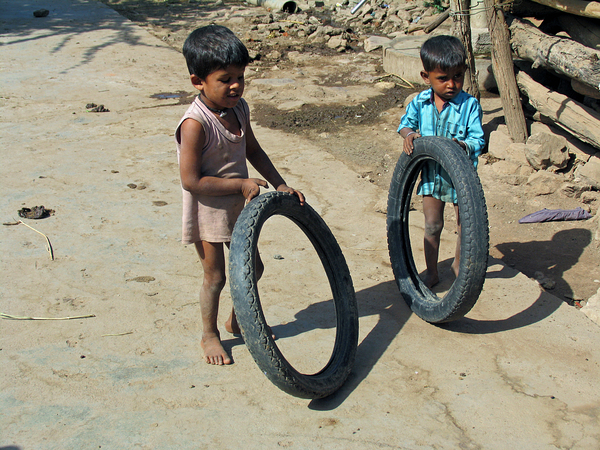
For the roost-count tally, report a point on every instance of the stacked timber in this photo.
(557, 46)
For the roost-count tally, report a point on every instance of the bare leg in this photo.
(433, 209)
(456, 263)
(213, 263)
(232, 325)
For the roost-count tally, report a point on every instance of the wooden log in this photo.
(528, 8)
(577, 7)
(504, 74)
(441, 18)
(579, 120)
(585, 31)
(559, 54)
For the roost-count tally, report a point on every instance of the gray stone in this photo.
(337, 42)
(591, 198)
(517, 152)
(375, 42)
(592, 308)
(544, 183)
(546, 151)
(574, 190)
(498, 144)
(404, 15)
(590, 172)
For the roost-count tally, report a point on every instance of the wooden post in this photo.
(462, 16)
(504, 73)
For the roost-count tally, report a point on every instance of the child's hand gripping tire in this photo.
(246, 300)
(466, 289)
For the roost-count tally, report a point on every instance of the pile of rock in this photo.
(547, 163)
(337, 27)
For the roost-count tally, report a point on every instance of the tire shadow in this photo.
(553, 258)
(382, 300)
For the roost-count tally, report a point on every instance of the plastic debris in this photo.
(549, 215)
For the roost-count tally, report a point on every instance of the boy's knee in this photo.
(433, 228)
(215, 283)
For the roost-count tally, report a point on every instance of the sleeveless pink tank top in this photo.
(211, 218)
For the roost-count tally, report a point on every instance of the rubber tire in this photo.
(247, 306)
(466, 289)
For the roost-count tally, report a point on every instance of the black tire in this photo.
(466, 289)
(246, 300)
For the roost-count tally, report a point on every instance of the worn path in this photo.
(520, 371)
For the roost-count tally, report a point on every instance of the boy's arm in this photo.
(409, 136)
(192, 138)
(409, 124)
(475, 139)
(261, 162)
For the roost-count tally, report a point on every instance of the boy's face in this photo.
(446, 84)
(222, 88)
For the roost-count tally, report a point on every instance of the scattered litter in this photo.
(548, 215)
(8, 316)
(143, 279)
(277, 257)
(37, 212)
(118, 334)
(48, 246)
(92, 107)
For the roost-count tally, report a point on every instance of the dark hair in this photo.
(442, 52)
(211, 48)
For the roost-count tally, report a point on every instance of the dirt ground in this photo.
(102, 346)
(359, 126)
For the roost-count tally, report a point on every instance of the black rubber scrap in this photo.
(37, 212)
(92, 107)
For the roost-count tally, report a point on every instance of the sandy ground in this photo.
(519, 371)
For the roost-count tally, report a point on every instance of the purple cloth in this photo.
(548, 215)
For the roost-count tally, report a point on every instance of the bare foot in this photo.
(214, 353)
(430, 279)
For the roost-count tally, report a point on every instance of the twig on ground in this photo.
(49, 246)
(11, 317)
(407, 84)
(118, 334)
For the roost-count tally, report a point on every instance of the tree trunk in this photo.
(581, 121)
(502, 64)
(561, 55)
(463, 8)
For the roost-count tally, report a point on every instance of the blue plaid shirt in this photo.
(460, 118)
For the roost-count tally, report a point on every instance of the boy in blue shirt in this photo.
(443, 110)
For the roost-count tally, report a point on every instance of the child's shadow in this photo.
(553, 258)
